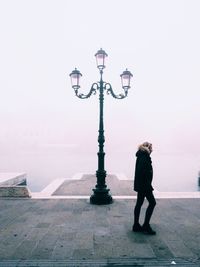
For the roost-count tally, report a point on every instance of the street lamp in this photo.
(101, 193)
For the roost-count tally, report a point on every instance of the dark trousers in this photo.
(140, 200)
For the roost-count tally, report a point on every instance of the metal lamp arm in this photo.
(92, 91)
(109, 89)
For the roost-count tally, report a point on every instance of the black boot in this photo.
(146, 229)
(137, 227)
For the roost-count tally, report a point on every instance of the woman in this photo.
(143, 187)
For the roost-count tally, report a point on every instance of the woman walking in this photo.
(143, 187)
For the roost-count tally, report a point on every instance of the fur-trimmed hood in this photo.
(144, 149)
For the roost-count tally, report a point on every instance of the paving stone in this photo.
(83, 253)
(36, 234)
(160, 248)
(45, 246)
(179, 249)
(42, 225)
(103, 251)
(84, 240)
(63, 249)
(142, 250)
(24, 250)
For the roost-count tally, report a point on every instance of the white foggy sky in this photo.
(43, 40)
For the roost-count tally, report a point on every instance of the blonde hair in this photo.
(145, 146)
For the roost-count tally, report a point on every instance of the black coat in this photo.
(143, 172)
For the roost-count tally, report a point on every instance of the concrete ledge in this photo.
(14, 191)
(13, 185)
(161, 195)
(51, 188)
(48, 192)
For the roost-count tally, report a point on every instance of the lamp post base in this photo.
(101, 197)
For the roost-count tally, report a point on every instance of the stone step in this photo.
(101, 263)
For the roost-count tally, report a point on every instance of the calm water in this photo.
(176, 172)
(172, 172)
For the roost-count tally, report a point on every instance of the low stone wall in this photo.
(14, 185)
(14, 191)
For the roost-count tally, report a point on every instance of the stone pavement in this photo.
(62, 232)
(72, 232)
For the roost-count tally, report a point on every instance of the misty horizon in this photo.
(47, 132)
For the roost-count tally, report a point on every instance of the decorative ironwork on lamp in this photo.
(101, 193)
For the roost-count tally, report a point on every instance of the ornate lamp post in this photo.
(101, 193)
